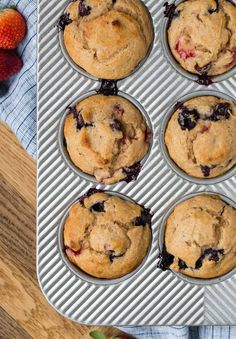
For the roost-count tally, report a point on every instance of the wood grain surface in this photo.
(24, 312)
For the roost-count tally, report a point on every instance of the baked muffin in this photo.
(201, 136)
(106, 236)
(200, 238)
(202, 36)
(107, 137)
(108, 38)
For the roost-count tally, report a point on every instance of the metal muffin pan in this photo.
(150, 296)
(203, 282)
(164, 149)
(174, 62)
(64, 151)
(83, 275)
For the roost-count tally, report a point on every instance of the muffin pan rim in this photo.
(174, 63)
(86, 74)
(169, 112)
(161, 238)
(64, 153)
(82, 274)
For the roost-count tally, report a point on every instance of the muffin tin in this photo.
(148, 296)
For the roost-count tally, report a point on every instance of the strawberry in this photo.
(10, 64)
(12, 28)
(184, 53)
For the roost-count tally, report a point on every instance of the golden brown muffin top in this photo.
(200, 136)
(107, 137)
(107, 236)
(108, 38)
(200, 237)
(202, 36)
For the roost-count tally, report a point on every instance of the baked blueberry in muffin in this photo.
(201, 136)
(107, 236)
(200, 238)
(108, 38)
(202, 36)
(107, 137)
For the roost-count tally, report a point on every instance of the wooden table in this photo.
(24, 312)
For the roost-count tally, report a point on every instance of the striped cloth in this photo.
(18, 106)
(18, 110)
(181, 332)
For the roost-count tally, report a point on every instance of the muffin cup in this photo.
(164, 150)
(174, 62)
(80, 273)
(83, 72)
(63, 149)
(161, 239)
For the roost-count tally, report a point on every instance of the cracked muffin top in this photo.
(106, 236)
(200, 136)
(107, 137)
(108, 38)
(202, 36)
(200, 238)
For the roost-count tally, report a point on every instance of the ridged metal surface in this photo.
(151, 296)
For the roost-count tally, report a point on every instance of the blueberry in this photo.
(90, 192)
(116, 125)
(98, 207)
(80, 121)
(204, 79)
(165, 260)
(213, 10)
(198, 263)
(113, 255)
(170, 11)
(132, 172)
(79, 118)
(221, 111)
(188, 118)
(212, 254)
(182, 264)
(203, 69)
(64, 21)
(144, 219)
(84, 9)
(108, 87)
(206, 170)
